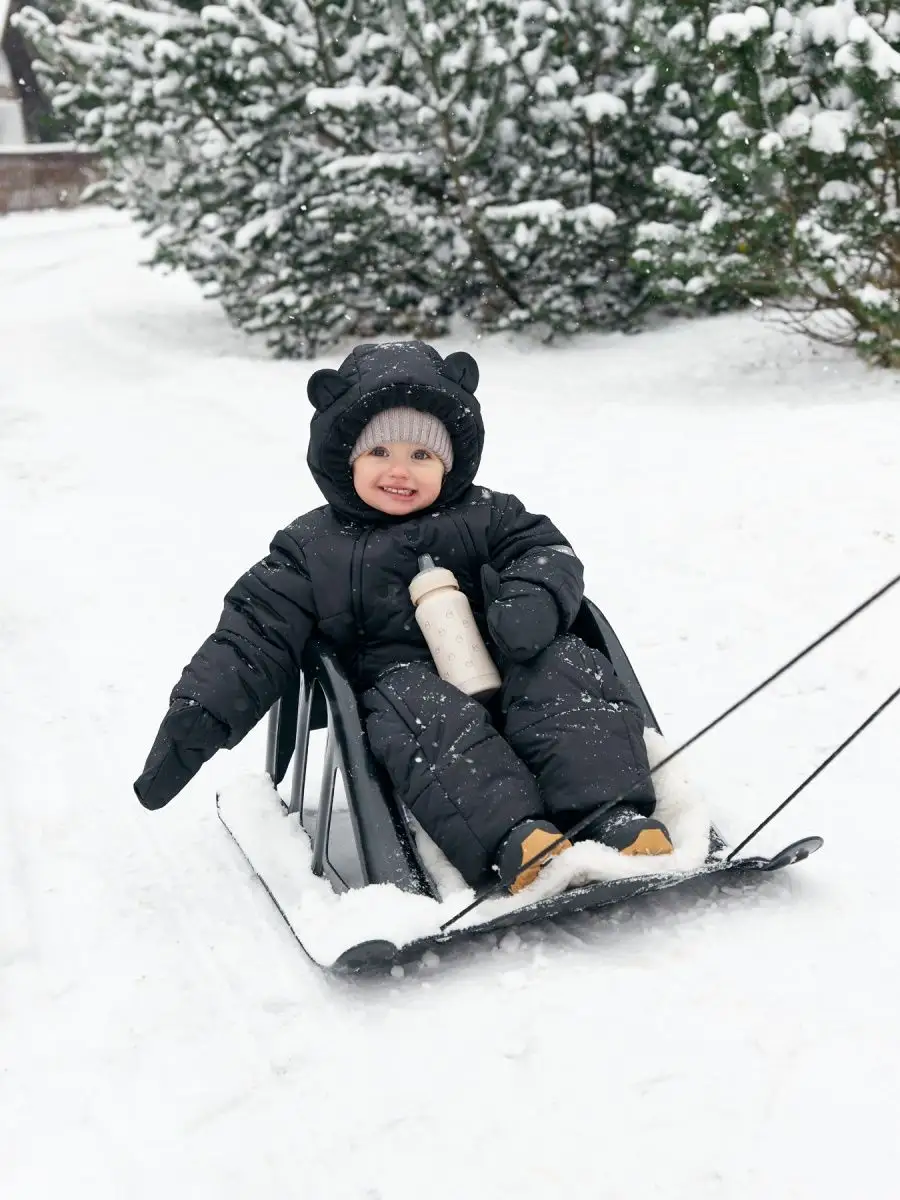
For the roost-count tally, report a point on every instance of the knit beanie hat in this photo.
(406, 425)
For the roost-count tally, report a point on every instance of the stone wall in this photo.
(44, 176)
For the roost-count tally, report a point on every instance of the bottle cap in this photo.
(430, 578)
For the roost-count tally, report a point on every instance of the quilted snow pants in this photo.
(562, 738)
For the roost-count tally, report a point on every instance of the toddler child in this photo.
(395, 442)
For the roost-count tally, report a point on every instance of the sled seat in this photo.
(385, 843)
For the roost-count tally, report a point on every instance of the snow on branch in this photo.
(738, 27)
(378, 161)
(552, 212)
(878, 56)
(681, 183)
(218, 14)
(598, 105)
(354, 96)
(829, 130)
(154, 22)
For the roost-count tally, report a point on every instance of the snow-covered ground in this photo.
(733, 490)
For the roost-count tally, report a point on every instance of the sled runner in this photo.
(327, 851)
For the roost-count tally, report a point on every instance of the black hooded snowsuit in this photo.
(571, 735)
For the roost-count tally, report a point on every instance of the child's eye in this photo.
(421, 455)
(379, 452)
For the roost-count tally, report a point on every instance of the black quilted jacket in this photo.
(344, 569)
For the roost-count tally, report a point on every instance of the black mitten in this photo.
(523, 617)
(188, 736)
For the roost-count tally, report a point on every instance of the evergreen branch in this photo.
(213, 120)
(589, 128)
(323, 45)
(479, 238)
(751, 72)
(464, 206)
(488, 120)
(349, 15)
(800, 322)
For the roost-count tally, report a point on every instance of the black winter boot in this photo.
(523, 843)
(625, 829)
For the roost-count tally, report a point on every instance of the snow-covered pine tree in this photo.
(676, 102)
(545, 182)
(568, 176)
(801, 200)
(378, 166)
(226, 133)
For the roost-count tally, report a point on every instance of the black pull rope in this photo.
(585, 821)
(819, 769)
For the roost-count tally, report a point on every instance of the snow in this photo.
(796, 124)
(682, 31)
(770, 143)
(548, 213)
(829, 22)
(598, 216)
(883, 59)
(737, 27)
(681, 183)
(370, 162)
(829, 130)
(599, 105)
(268, 223)
(657, 231)
(839, 191)
(348, 98)
(733, 490)
(734, 127)
(159, 23)
(841, 24)
(876, 297)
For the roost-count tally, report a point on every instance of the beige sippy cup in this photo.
(445, 617)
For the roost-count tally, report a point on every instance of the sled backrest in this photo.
(594, 629)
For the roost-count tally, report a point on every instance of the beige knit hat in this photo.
(406, 425)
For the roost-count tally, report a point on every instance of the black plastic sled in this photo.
(372, 841)
(381, 953)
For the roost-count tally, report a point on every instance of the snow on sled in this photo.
(361, 885)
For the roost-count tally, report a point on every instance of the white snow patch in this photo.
(796, 124)
(599, 105)
(737, 27)
(828, 22)
(829, 130)
(881, 58)
(541, 211)
(353, 96)
(681, 183)
(839, 191)
(370, 162)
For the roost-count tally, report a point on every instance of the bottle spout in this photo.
(426, 563)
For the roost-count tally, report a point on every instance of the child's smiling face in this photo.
(398, 477)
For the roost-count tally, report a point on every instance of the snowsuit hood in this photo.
(372, 378)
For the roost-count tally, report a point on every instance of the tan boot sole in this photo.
(530, 847)
(649, 841)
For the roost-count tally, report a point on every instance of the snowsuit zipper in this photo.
(357, 561)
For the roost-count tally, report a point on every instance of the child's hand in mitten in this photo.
(188, 736)
(523, 617)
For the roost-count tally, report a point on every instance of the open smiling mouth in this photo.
(404, 493)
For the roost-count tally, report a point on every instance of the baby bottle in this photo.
(445, 617)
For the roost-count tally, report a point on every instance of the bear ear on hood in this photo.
(326, 386)
(461, 368)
